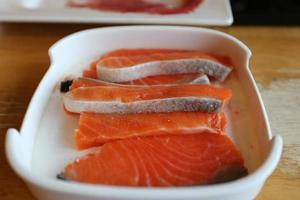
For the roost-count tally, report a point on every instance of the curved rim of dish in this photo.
(149, 27)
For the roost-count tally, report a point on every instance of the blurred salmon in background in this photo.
(146, 6)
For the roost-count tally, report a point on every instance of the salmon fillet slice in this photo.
(133, 52)
(138, 56)
(163, 98)
(193, 78)
(146, 52)
(89, 82)
(128, 68)
(152, 53)
(145, 6)
(137, 52)
(159, 161)
(97, 129)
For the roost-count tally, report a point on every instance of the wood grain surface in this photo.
(275, 64)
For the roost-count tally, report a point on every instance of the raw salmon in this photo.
(145, 54)
(127, 68)
(146, 6)
(158, 80)
(168, 52)
(97, 129)
(137, 52)
(133, 52)
(163, 98)
(159, 161)
(88, 82)
(172, 79)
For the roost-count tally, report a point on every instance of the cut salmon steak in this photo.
(145, 6)
(97, 129)
(159, 161)
(152, 66)
(160, 62)
(163, 98)
(193, 78)
(90, 82)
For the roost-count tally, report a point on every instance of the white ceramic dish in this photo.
(44, 144)
(210, 12)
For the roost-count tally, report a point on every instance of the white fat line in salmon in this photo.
(188, 104)
(190, 130)
(169, 67)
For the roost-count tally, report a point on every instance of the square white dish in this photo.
(209, 12)
(44, 144)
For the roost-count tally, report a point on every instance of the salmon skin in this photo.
(160, 161)
(163, 62)
(162, 7)
(97, 129)
(164, 98)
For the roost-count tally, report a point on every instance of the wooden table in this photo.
(275, 65)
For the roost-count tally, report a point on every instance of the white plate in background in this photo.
(209, 12)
